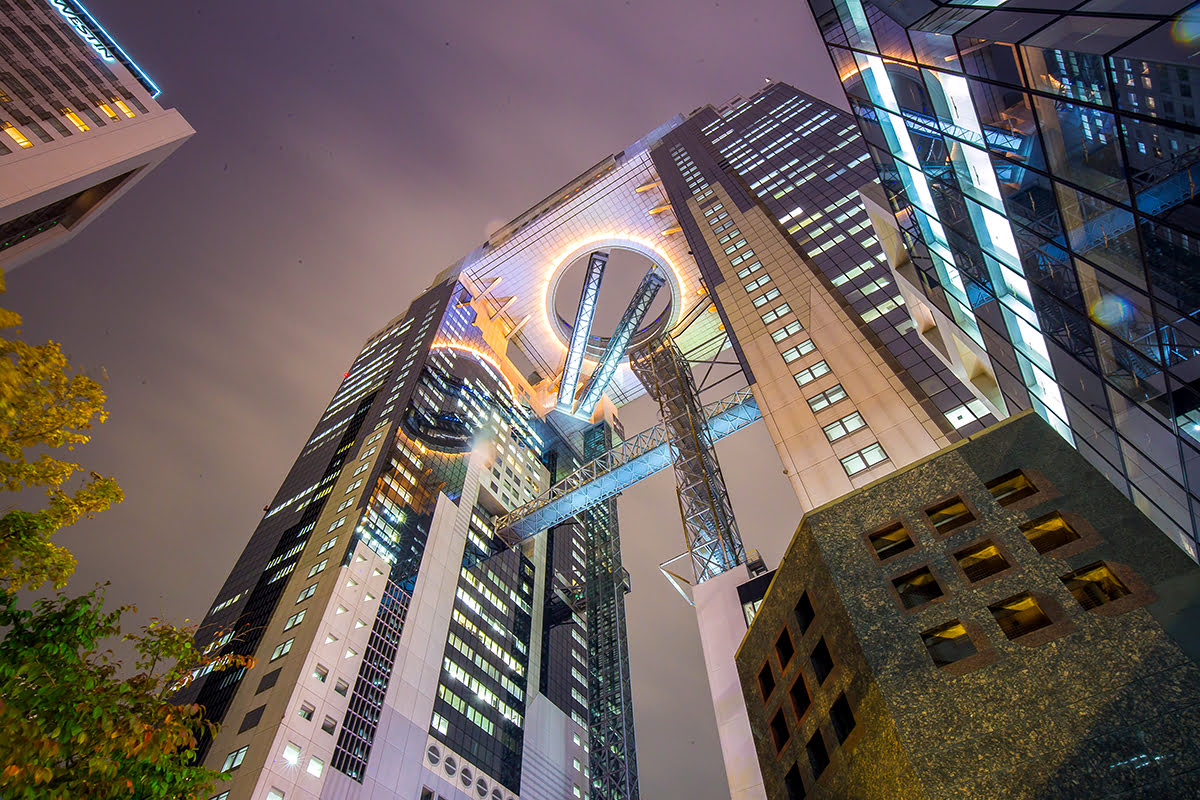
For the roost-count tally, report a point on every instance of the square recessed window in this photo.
(800, 697)
(766, 681)
(949, 515)
(329, 725)
(1095, 585)
(275, 794)
(341, 687)
(306, 711)
(818, 754)
(779, 730)
(784, 648)
(291, 753)
(841, 718)
(822, 661)
(1019, 615)
(320, 673)
(891, 541)
(981, 561)
(1010, 488)
(315, 767)
(917, 588)
(948, 643)
(805, 613)
(1049, 532)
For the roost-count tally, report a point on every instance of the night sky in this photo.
(345, 153)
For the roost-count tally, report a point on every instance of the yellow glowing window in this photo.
(949, 515)
(917, 588)
(981, 561)
(1049, 533)
(124, 108)
(107, 109)
(16, 135)
(948, 643)
(1011, 487)
(1019, 615)
(1094, 585)
(71, 115)
(891, 541)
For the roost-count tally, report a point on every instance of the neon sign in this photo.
(89, 36)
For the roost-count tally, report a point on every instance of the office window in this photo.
(810, 374)
(891, 541)
(318, 568)
(282, 650)
(765, 298)
(320, 673)
(802, 349)
(1049, 532)
(306, 592)
(306, 711)
(16, 135)
(761, 280)
(791, 329)
(346, 504)
(827, 398)
(291, 753)
(981, 561)
(275, 794)
(1010, 488)
(327, 545)
(844, 426)
(75, 120)
(341, 687)
(776, 313)
(917, 588)
(315, 766)
(251, 719)
(295, 619)
(329, 725)
(948, 643)
(866, 458)
(1019, 615)
(949, 515)
(234, 759)
(1094, 585)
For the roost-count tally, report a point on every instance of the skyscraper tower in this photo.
(79, 124)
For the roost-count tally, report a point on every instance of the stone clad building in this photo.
(995, 621)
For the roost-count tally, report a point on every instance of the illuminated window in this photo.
(282, 650)
(891, 541)
(1049, 532)
(107, 109)
(275, 794)
(1019, 615)
(315, 767)
(1094, 585)
(1010, 488)
(16, 135)
(295, 619)
(981, 561)
(316, 568)
(306, 711)
(827, 398)
(291, 753)
(320, 673)
(802, 349)
(234, 759)
(124, 108)
(811, 373)
(844, 426)
(917, 588)
(75, 120)
(948, 643)
(950, 514)
(306, 592)
(864, 459)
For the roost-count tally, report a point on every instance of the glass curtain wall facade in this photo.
(1041, 167)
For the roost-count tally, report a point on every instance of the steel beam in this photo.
(631, 320)
(614, 471)
(581, 329)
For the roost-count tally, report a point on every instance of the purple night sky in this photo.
(345, 153)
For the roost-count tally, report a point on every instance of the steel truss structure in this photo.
(614, 351)
(612, 754)
(620, 467)
(588, 298)
(708, 524)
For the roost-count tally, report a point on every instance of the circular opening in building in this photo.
(622, 275)
(435, 755)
